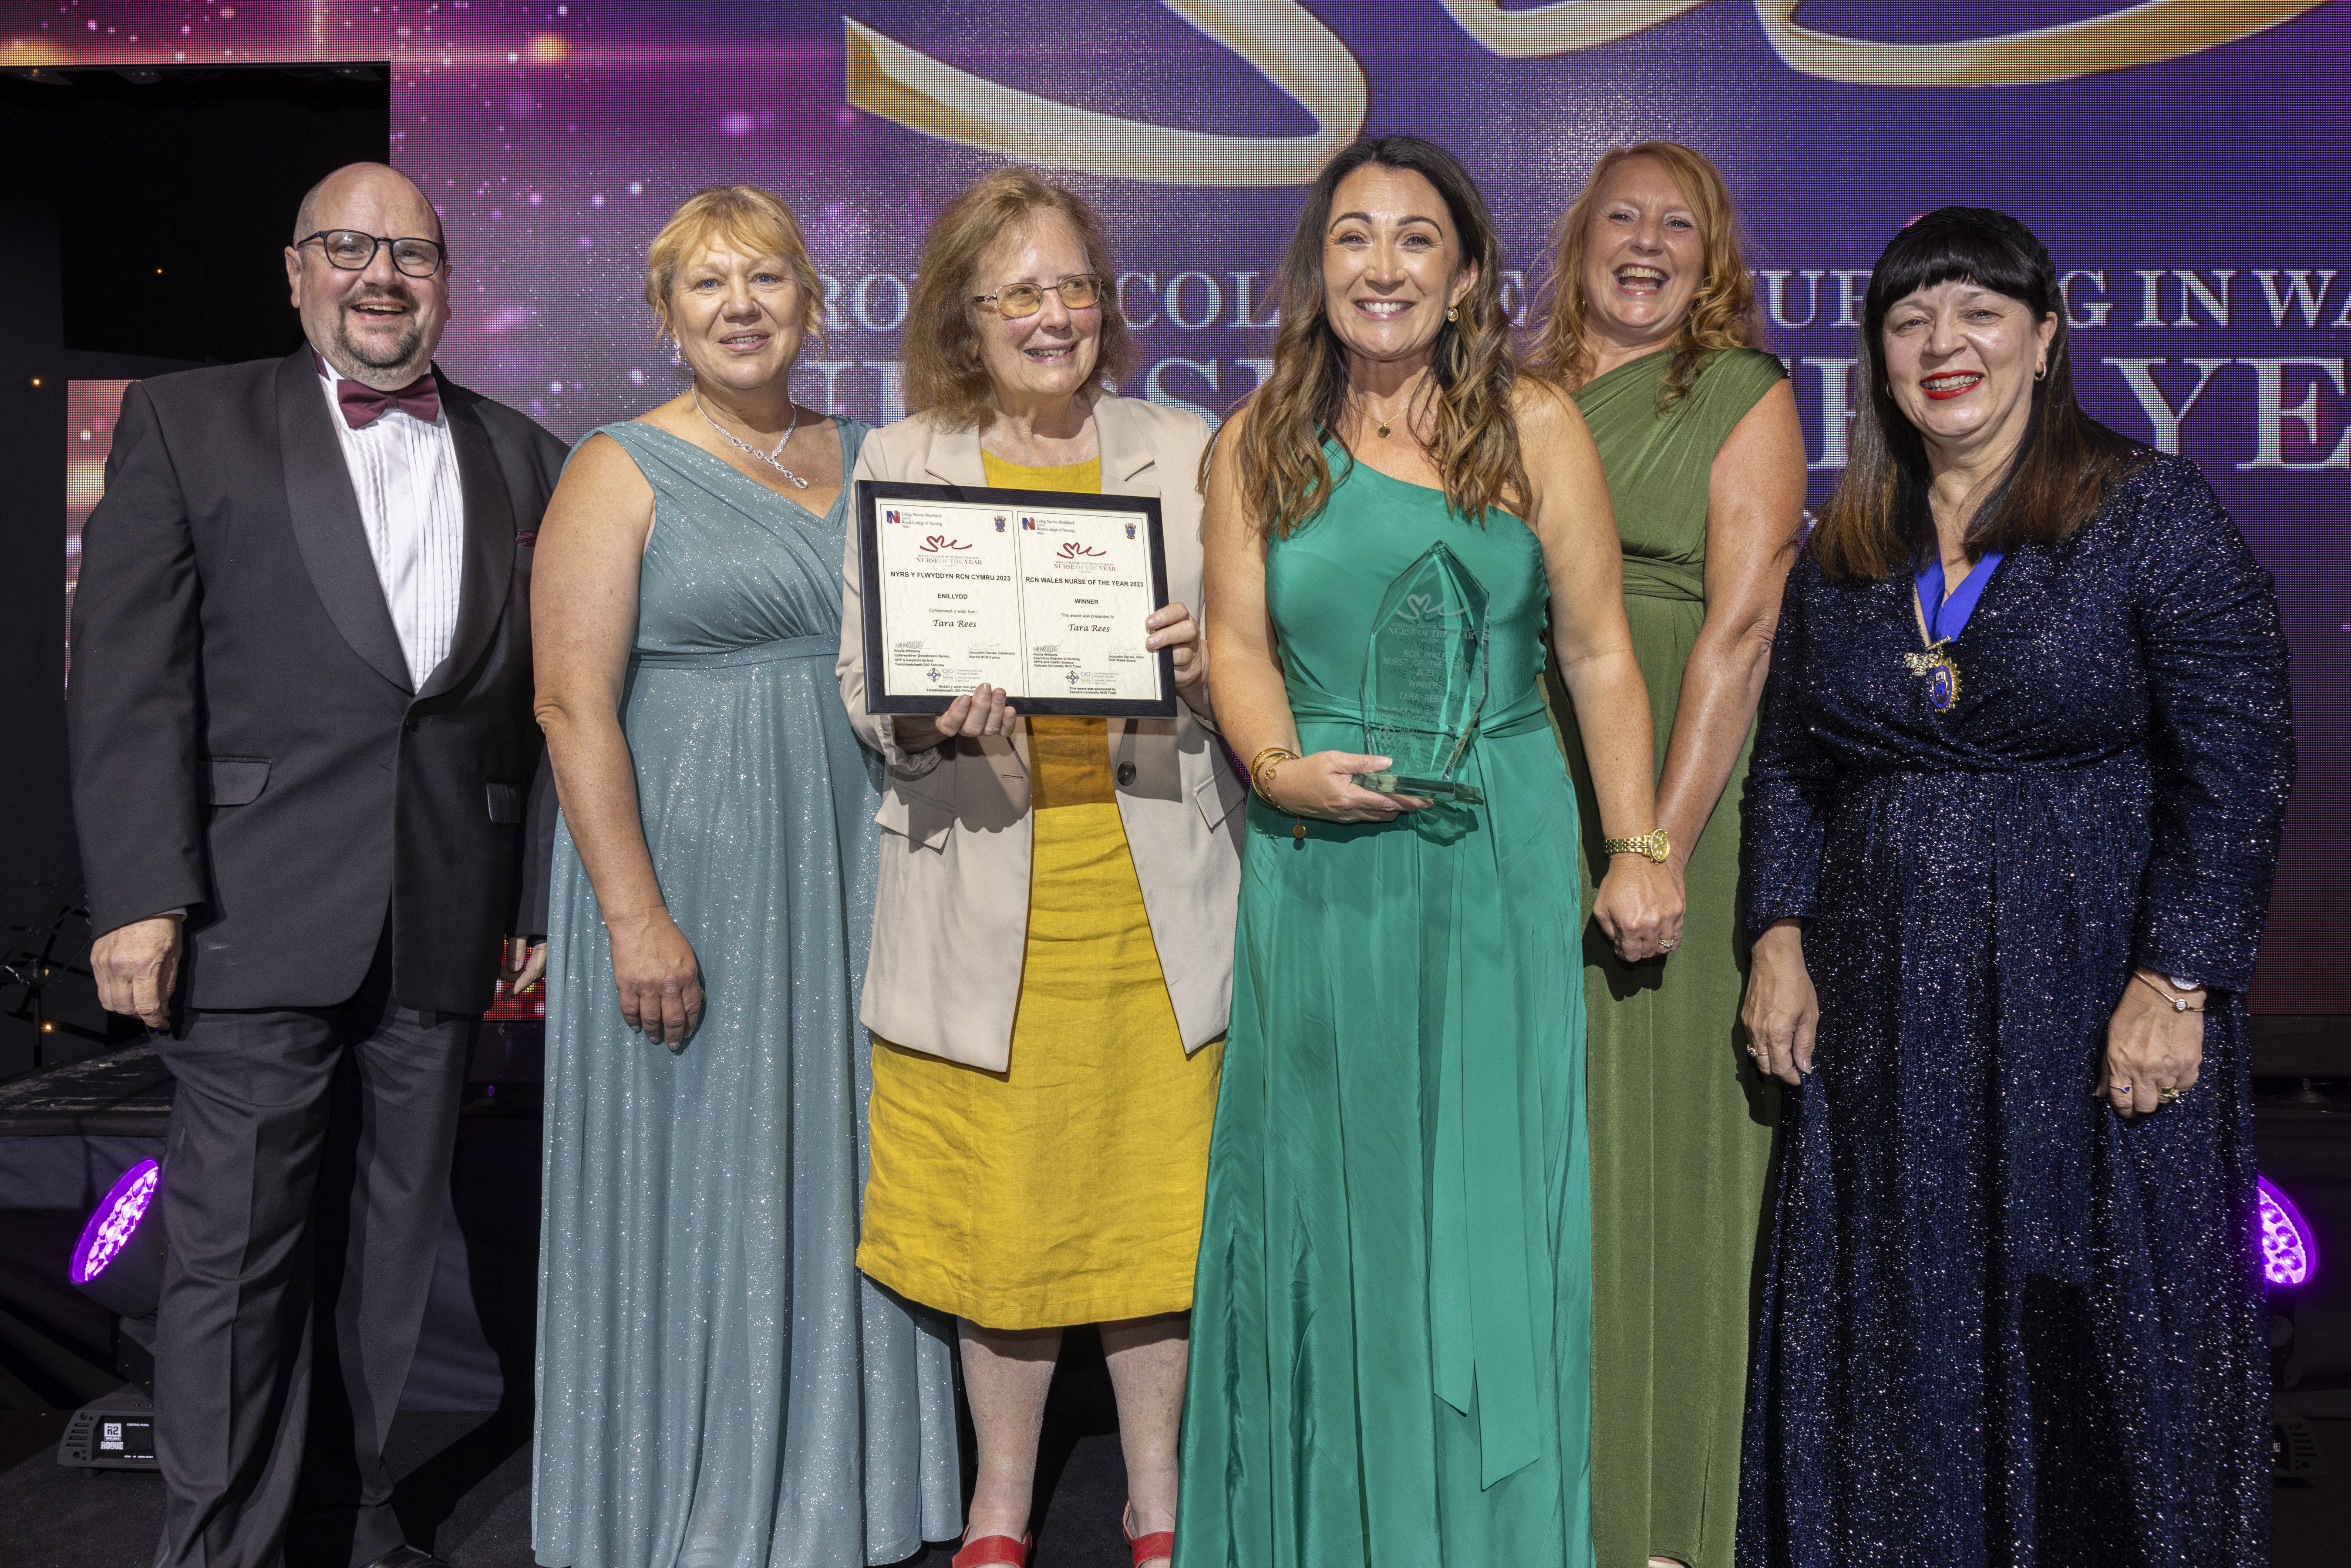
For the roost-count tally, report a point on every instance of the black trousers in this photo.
(303, 1186)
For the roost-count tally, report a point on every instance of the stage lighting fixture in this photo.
(116, 1433)
(119, 1258)
(2289, 1248)
(119, 1263)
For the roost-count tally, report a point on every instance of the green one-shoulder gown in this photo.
(1390, 1342)
(1681, 1122)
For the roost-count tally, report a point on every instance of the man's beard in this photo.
(403, 348)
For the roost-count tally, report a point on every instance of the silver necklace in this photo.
(767, 458)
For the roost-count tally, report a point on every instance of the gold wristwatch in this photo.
(1655, 845)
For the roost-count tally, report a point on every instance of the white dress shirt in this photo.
(405, 472)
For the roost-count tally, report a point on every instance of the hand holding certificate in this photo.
(1041, 595)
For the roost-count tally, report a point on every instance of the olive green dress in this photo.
(1681, 1122)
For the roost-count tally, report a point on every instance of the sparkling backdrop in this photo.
(2182, 165)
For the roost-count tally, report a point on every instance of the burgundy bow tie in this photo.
(362, 405)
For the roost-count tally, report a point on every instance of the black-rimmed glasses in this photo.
(1016, 300)
(354, 251)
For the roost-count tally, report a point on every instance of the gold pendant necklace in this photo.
(1384, 433)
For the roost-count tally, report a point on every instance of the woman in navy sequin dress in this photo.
(2004, 843)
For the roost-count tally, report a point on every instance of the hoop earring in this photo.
(2041, 374)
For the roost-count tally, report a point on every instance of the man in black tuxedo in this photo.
(303, 753)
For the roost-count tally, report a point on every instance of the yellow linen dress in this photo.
(1067, 1188)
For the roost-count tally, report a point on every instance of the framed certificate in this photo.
(1042, 593)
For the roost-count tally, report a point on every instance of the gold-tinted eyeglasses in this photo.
(1015, 300)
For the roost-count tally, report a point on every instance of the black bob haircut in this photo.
(1879, 519)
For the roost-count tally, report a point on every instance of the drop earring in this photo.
(1453, 313)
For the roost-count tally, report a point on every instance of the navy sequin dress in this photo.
(2002, 1326)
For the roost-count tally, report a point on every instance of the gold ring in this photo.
(2169, 1095)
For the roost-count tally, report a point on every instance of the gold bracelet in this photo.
(2179, 1002)
(1261, 769)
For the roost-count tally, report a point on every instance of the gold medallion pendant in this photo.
(1942, 674)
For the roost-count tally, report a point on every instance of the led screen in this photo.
(2183, 158)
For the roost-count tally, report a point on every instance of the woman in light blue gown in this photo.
(718, 1385)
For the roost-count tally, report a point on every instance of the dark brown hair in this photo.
(1879, 519)
(1283, 476)
(944, 373)
(1722, 312)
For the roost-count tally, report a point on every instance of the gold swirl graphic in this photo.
(2138, 36)
(1281, 39)
(1562, 27)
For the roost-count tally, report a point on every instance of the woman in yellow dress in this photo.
(1053, 934)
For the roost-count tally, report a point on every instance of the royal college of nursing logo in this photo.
(1129, 530)
(1000, 522)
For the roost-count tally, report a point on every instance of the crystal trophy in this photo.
(1425, 679)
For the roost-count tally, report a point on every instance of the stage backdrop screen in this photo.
(2184, 159)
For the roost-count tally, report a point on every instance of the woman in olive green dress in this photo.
(1652, 325)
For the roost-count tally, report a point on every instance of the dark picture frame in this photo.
(873, 494)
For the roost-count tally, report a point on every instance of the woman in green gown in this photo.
(1652, 325)
(1391, 1344)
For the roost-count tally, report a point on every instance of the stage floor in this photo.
(465, 1491)
(464, 1486)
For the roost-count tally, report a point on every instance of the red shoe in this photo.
(991, 1549)
(1146, 1548)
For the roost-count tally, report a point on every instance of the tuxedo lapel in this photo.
(489, 540)
(325, 513)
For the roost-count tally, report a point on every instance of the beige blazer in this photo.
(951, 921)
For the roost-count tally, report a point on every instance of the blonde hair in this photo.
(756, 221)
(944, 373)
(1284, 478)
(1722, 312)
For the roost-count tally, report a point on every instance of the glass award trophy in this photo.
(1425, 679)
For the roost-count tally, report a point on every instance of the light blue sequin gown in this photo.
(717, 1385)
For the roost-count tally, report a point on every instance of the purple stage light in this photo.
(2289, 1249)
(114, 1220)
